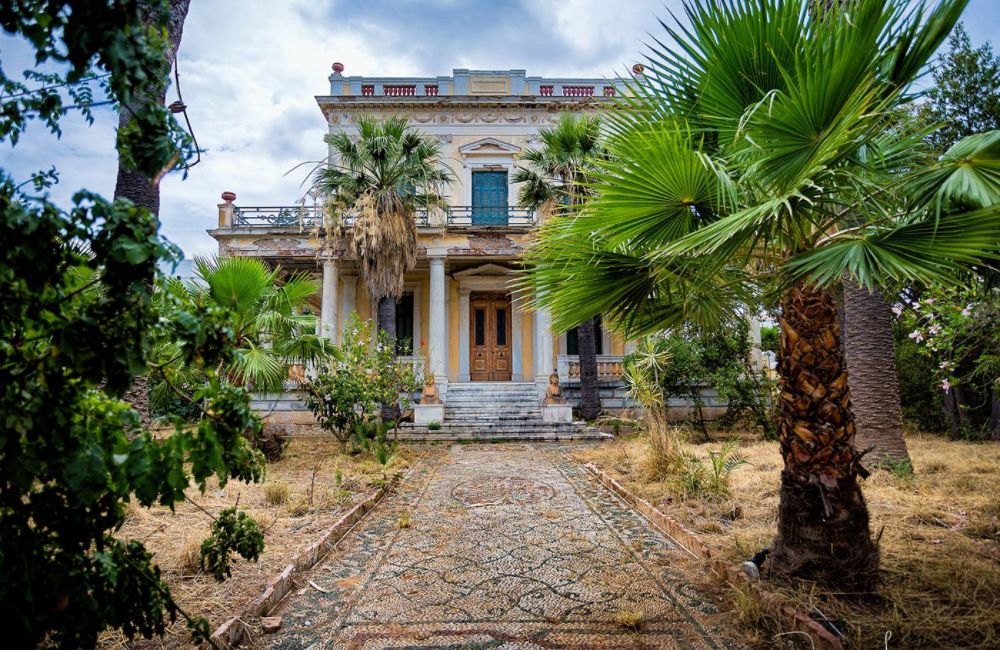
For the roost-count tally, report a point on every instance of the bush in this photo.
(272, 441)
(434, 426)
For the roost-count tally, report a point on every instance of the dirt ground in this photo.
(303, 494)
(939, 528)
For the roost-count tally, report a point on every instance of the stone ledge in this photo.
(731, 575)
(231, 633)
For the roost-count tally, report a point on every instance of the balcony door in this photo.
(490, 334)
(489, 198)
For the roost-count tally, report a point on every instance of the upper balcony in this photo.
(305, 218)
(470, 83)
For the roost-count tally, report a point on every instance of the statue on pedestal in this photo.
(430, 393)
(553, 393)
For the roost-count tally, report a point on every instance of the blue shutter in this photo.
(489, 198)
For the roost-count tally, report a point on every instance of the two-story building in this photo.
(458, 310)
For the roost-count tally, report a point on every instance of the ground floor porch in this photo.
(464, 320)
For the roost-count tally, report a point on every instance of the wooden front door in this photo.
(489, 334)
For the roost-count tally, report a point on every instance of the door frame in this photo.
(493, 278)
(494, 300)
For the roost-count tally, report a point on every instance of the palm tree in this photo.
(737, 164)
(380, 178)
(557, 174)
(271, 330)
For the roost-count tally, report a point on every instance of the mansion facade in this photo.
(458, 312)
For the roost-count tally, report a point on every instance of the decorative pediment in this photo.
(485, 270)
(489, 147)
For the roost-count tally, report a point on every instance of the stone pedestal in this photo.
(557, 413)
(424, 414)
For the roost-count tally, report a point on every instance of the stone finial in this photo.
(228, 197)
(638, 69)
(338, 67)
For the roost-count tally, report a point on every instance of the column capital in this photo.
(437, 253)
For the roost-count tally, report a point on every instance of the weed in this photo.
(629, 619)
(434, 426)
(276, 492)
(298, 507)
(901, 468)
(189, 559)
(405, 521)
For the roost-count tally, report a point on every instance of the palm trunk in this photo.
(871, 362)
(590, 397)
(387, 318)
(387, 324)
(823, 529)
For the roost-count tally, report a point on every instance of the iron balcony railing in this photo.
(302, 218)
(294, 217)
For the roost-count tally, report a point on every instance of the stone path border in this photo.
(231, 633)
(734, 576)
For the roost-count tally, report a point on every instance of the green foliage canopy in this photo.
(77, 324)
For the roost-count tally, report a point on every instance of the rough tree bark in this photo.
(134, 185)
(131, 184)
(590, 397)
(871, 363)
(823, 525)
(387, 317)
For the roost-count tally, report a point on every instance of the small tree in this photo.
(965, 97)
(348, 396)
(342, 396)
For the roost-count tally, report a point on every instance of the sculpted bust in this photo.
(553, 393)
(430, 394)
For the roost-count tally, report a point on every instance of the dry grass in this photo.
(629, 619)
(301, 497)
(940, 539)
(276, 492)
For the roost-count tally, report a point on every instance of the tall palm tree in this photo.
(380, 178)
(271, 330)
(557, 174)
(737, 163)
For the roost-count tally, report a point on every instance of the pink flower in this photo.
(946, 385)
(897, 309)
(917, 336)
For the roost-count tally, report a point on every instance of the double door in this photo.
(489, 334)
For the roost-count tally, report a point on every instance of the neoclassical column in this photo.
(328, 305)
(543, 345)
(348, 301)
(463, 334)
(437, 326)
(515, 341)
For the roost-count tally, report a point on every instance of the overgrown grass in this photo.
(305, 492)
(940, 539)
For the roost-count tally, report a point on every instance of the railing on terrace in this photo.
(473, 216)
(416, 362)
(294, 217)
(609, 367)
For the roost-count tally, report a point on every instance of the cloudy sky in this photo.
(250, 69)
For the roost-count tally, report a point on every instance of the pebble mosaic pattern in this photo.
(508, 546)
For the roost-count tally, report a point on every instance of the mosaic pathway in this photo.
(508, 546)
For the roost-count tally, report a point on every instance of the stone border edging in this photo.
(735, 577)
(230, 633)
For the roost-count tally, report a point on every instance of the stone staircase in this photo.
(497, 411)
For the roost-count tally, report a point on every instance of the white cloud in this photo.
(250, 69)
